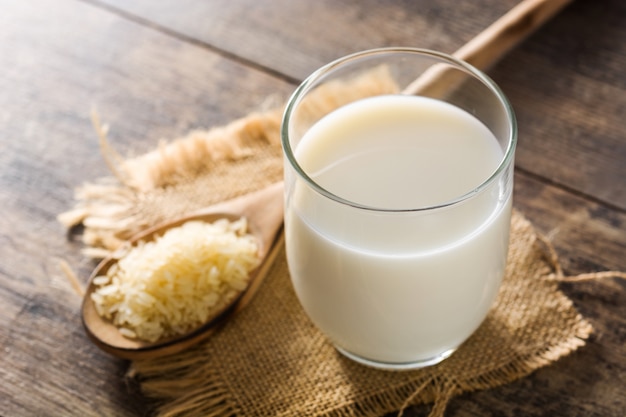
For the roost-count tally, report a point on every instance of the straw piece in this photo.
(72, 277)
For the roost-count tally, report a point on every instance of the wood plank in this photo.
(568, 88)
(60, 58)
(562, 82)
(296, 37)
(588, 235)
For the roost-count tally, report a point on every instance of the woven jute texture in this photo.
(269, 360)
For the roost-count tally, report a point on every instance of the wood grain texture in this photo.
(569, 75)
(296, 37)
(157, 69)
(508, 31)
(568, 88)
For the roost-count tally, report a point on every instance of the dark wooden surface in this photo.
(159, 68)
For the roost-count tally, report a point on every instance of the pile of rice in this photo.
(178, 281)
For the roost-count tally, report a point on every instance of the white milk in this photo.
(408, 286)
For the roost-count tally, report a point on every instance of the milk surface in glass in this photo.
(397, 285)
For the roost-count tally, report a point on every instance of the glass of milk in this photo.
(398, 187)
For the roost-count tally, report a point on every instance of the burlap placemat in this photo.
(269, 360)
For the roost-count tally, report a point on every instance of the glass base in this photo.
(396, 366)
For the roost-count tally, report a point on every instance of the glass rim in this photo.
(305, 86)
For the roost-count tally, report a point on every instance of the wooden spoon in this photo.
(264, 213)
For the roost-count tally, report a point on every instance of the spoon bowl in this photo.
(263, 211)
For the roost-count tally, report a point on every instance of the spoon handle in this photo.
(508, 31)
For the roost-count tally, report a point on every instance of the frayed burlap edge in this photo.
(146, 190)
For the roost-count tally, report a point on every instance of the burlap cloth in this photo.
(269, 360)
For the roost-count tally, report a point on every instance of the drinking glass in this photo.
(398, 188)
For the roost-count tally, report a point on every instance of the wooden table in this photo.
(159, 68)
